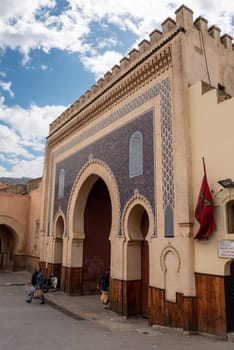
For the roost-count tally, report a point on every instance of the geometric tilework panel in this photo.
(99, 148)
(167, 144)
(113, 149)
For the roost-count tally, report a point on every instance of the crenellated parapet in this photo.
(149, 60)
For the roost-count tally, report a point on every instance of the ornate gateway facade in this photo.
(122, 175)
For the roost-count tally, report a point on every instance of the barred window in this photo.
(61, 184)
(136, 154)
(230, 216)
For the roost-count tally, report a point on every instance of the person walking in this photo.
(105, 287)
(37, 281)
(34, 278)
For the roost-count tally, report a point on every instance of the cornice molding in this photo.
(135, 79)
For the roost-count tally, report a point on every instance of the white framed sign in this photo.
(226, 249)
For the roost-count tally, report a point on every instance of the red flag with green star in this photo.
(204, 210)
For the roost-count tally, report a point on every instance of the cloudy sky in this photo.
(52, 51)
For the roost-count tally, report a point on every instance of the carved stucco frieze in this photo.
(122, 88)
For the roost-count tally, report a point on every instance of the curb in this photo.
(64, 310)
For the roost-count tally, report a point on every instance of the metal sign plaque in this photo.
(226, 249)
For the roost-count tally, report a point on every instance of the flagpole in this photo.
(204, 165)
(204, 209)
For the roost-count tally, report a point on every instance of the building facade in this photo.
(123, 165)
(123, 170)
(20, 207)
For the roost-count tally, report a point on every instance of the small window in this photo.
(61, 184)
(230, 216)
(136, 154)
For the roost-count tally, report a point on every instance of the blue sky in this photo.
(51, 52)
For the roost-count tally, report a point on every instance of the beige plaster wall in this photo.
(207, 59)
(182, 249)
(33, 236)
(188, 56)
(211, 137)
(14, 212)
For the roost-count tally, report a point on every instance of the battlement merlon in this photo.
(183, 23)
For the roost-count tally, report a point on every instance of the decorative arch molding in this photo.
(15, 227)
(227, 267)
(225, 200)
(88, 175)
(141, 201)
(226, 197)
(163, 255)
(59, 215)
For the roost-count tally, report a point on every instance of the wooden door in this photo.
(96, 249)
(229, 294)
(145, 277)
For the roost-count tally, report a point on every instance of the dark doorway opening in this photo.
(145, 264)
(58, 249)
(7, 248)
(229, 295)
(97, 226)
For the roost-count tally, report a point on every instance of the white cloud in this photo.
(25, 168)
(44, 67)
(2, 158)
(10, 142)
(100, 64)
(31, 24)
(6, 87)
(11, 8)
(36, 120)
(23, 137)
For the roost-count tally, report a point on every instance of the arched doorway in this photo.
(229, 296)
(145, 263)
(7, 248)
(77, 232)
(58, 247)
(97, 226)
(138, 251)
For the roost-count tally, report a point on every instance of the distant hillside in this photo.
(15, 181)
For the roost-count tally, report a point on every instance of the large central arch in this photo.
(96, 247)
(95, 189)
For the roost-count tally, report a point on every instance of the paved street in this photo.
(34, 326)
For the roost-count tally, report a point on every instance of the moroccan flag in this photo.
(204, 210)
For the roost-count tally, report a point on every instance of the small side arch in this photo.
(132, 213)
(227, 207)
(17, 231)
(12, 238)
(163, 254)
(170, 264)
(227, 267)
(59, 224)
(137, 229)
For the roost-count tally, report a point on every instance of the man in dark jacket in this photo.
(105, 287)
(105, 280)
(34, 278)
(37, 282)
